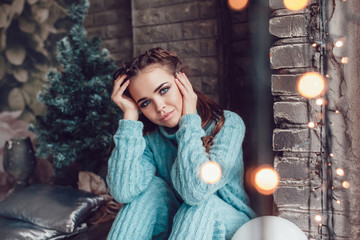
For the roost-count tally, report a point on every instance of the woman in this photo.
(155, 165)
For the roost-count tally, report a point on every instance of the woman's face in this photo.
(155, 92)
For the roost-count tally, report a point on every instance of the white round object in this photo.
(269, 228)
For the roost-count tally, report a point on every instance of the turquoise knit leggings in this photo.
(151, 216)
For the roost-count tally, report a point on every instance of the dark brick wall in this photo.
(189, 28)
(111, 20)
(301, 194)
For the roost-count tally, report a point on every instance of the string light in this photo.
(331, 155)
(314, 44)
(345, 184)
(266, 180)
(311, 85)
(339, 43)
(338, 201)
(311, 125)
(320, 101)
(210, 172)
(238, 5)
(295, 5)
(340, 172)
(344, 60)
(318, 218)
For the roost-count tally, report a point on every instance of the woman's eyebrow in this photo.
(156, 89)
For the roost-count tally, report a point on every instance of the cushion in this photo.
(11, 229)
(50, 206)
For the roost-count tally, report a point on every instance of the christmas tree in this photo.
(81, 117)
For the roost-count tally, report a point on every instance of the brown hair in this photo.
(208, 110)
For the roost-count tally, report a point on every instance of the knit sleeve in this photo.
(225, 151)
(130, 166)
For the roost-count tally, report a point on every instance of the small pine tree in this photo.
(81, 118)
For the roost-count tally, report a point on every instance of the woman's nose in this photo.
(159, 105)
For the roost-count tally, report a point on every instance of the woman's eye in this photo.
(164, 90)
(145, 103)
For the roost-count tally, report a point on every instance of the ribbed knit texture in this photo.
(147, 171)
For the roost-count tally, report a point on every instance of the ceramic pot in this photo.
(19, 159)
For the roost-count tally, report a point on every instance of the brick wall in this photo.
(301, 194)
(111, 20)
(189, 28)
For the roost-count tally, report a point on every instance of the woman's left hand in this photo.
(188, 94)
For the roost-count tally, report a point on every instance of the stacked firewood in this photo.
(28, 34)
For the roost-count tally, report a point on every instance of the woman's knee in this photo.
(157, 191)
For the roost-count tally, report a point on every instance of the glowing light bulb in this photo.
(338, 201)
(345, 184)
(210, 172)
(314, 45)
(238, 5)
(311, 85)
(339, 43)
(311, 125)
(295, 5)
(320, 101)
(331, 155)
(266, 180)
(344, 60)
(340, 172)
(318, 218)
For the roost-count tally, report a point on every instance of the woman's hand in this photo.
(188, 94)
(126, 104)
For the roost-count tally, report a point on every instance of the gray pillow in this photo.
(11, 229)
(50, 206)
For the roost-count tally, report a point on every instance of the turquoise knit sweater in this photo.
(176, 158)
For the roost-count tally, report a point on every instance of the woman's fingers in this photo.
(118, 86)
(184, 81)
(189, 96)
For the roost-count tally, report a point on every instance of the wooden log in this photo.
(21, 74)
(16, 54)
(2, 67)
(4, 15)
(40, 14)
(26, 25)
(16, 100)
(17, 7)
(31, 2)
(2, 39)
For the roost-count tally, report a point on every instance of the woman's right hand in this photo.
(126, 104)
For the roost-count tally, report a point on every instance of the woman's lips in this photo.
(167, 116)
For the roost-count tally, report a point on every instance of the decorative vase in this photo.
(19, 160)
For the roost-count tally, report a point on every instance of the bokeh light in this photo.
(265, 179)
(320, 101)
(210, 172)
(339, 43)
(311, 85)
(238, 5)
(345, 184)
(295, 5)
(344, 60)
(340, 172)
(311, 125)
(318, 218)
